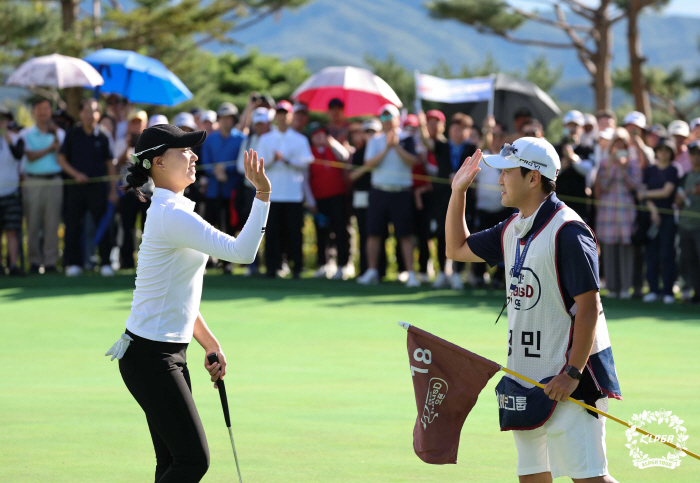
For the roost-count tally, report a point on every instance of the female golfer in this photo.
(165, 310)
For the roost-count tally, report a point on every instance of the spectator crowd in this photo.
(358, 184)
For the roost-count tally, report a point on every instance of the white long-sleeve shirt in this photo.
(173, 253)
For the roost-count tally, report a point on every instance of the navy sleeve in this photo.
(409, 145)
(672, 175)
(486, 244)
(577, 261)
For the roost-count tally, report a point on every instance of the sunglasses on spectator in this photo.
(531, 134)
(386, 117)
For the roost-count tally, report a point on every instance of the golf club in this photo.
(212, 358)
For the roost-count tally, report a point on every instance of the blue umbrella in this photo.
(138, 78)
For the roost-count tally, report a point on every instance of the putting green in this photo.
(318, 382)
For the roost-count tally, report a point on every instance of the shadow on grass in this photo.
(329, 293)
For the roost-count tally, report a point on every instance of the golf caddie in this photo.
(557, 333)
(165, 313)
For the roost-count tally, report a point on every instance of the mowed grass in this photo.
(319, 384)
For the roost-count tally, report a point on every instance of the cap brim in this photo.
(499, 162)
(189, 140)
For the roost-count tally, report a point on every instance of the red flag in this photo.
(447, 381)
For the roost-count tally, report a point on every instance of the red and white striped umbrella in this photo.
(362, 92)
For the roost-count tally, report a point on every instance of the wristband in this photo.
(262, 192)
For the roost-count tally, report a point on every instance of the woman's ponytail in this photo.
(137, 177)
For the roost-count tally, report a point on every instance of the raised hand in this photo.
(465, 176)
(255, 171)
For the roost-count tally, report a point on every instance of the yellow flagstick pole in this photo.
(609, 416)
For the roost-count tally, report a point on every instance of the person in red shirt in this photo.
(329, 187)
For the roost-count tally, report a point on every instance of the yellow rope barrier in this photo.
(419, 177)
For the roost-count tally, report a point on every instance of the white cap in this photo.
(372, 125)
(185, 119)
(208, 116)
(261, 114)
(694, 123)
(590, 119)
(391, 109)
(678, 128)
(575, 117)
(606, 133)
(636, 118)
(156, 119)
(530, 153)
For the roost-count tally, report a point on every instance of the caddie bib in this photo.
(540, 327)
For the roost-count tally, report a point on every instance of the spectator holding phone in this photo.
(618, 177)
(688, 200)
(636, 123)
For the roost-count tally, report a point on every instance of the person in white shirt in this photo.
(165, 310)
(288, 156)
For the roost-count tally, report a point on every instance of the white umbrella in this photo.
(56, 70)
(361, 91)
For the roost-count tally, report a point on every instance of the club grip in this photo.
(212, 358)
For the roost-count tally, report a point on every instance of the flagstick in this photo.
(609, 416)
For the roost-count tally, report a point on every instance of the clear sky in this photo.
(675, 7)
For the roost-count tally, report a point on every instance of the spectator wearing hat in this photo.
(156, 119)
(590, 131)
(423, 194)
(129, 204)
(618, 179)
(208, 121)
(679, 131)
(694, 127)
(688, 199)
(118, 108)
(337, 124)
(449, 155)
(329, 188)
(659, 189)
(390, 198)
(11, 152)
(360, 178)
(654, 134)
(42, 194)
(301, 117)
(636, 123)
(86, 154)
(287, 156)
(260, 124)
(575, 165)
(219, 155)
(196, 191)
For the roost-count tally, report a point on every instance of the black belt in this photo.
(43, 176)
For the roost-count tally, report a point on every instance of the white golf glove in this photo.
(119, 347)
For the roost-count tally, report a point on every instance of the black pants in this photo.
(156, 375)
(284, 220)
(129, 208)
(217, 212)
(361, 216)
(78, 201)
(423, 220)
(334, 209)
